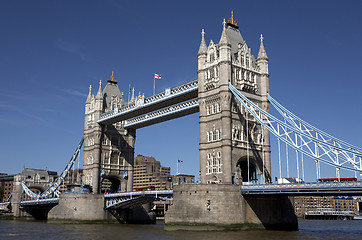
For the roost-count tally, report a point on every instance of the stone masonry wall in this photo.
(80, 207)
(205, 204)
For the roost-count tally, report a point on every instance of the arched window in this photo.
(208, 136)
(218, 107)
(217, 135)
(212, 109)
(207, 110)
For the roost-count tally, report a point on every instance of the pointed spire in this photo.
(262, 52)
(224, 38)
(132, 98)
(99, 93)
(203, 48)
(89, 94)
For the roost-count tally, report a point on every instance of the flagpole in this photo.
(154, 83)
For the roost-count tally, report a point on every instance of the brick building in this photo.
(304, 204)
(149, 172)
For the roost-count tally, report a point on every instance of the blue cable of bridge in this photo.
(281, 108)
(294, 129)
(53, 188)
(240, 96)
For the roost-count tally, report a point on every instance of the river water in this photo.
(310, 229)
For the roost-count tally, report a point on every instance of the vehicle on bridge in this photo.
(148, 188)
(348, 179)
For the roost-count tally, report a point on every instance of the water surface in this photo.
(310, 229)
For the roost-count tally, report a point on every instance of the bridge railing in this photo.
(337, 187)
(114, 200)
(161, 112)
(154, 98)
(44, 201)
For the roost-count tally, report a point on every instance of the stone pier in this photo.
(221, 206)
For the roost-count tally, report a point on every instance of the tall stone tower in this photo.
(234, 148)
(109, 149)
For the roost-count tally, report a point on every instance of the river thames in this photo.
(310, 229)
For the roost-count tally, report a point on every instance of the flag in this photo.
(157, 76)
(180, 161)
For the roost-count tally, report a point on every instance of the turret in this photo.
(201, 55)
(224, 45)
(262, 61)
(89, 95)
(262, 57)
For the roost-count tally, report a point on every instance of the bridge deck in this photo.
(165, 99)
(46, 201)
(307, 189)
(131, 199)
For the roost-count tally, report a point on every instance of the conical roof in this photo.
(111, 90)
(262, 52)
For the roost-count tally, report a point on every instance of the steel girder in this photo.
(303, 137)
(53, 188)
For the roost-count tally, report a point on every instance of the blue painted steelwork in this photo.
(332, 148)
(53, 188)
(167, 95)
(163, 113)
(131, 199)
(45, 201)
(299, 189)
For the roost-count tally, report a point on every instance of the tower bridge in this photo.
(231, 95)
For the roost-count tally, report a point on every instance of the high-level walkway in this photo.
(169, 104)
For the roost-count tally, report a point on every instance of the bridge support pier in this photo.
(139, 215)
(78, 206)
(221, 206)
(38, 212)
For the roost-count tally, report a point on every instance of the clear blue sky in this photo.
(51, 51)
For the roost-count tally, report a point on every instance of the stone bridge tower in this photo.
(234, 148)
(109, 149)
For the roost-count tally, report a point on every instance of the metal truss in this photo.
(306, 189)
(163, 113)
(53, 188)
(45, 201)
(303, 137)
(155, 99)
(132, 199)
